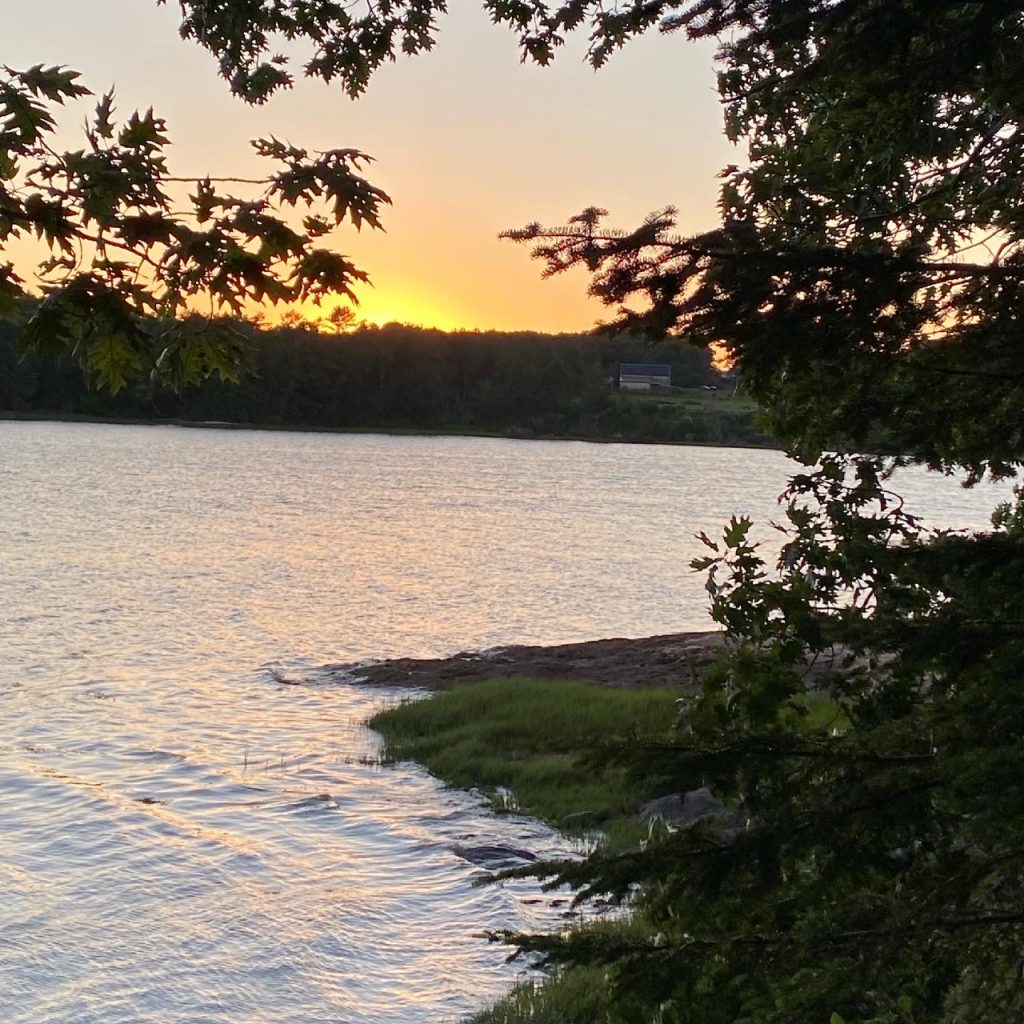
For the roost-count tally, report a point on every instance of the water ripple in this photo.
(195, 830)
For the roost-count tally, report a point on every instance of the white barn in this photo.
(645, 376)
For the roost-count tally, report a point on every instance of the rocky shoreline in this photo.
(674, 659)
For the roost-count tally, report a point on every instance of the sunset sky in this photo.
(467, 140)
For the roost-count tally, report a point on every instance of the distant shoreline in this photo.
(32, 416)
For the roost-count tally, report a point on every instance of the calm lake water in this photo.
(185, 839)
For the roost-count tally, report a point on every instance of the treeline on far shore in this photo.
(400, 377)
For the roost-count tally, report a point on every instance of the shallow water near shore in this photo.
(194, 826)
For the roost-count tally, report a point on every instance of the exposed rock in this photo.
(681, 810)
(676, 659)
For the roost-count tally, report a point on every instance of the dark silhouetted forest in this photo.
(400, 377)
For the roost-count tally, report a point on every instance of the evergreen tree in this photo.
(868, 279)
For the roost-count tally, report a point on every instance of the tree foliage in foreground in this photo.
(133, 247)
(868, 270)
(879, 876)
(867, 277)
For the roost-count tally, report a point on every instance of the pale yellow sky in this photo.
(467, 141)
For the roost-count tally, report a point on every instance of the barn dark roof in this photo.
(645, 369)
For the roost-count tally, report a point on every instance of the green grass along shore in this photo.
(547, 742)
(541, 739)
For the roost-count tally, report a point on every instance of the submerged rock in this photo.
(494, 858)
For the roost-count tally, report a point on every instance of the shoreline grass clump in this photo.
(541, 740)
(552, 744)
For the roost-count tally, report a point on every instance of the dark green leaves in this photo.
(194, 350)
(24, 115)
(94, 323)
(143, 132)
(348, 44)
(868, 280)
(131, 251)
(330, 177)
(53, 83)
(868, 273)
(866, 722)
(320, 273)
(10, 291)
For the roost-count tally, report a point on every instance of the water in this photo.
(184, 838)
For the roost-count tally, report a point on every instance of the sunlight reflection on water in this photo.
(184, 837)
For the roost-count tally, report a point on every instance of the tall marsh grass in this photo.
(543, 741)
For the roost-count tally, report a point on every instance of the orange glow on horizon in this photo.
(382, 307)
(468, 141)
(372, 310)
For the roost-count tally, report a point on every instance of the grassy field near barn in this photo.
(698, 399)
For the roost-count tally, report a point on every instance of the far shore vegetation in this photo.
(405, 379)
